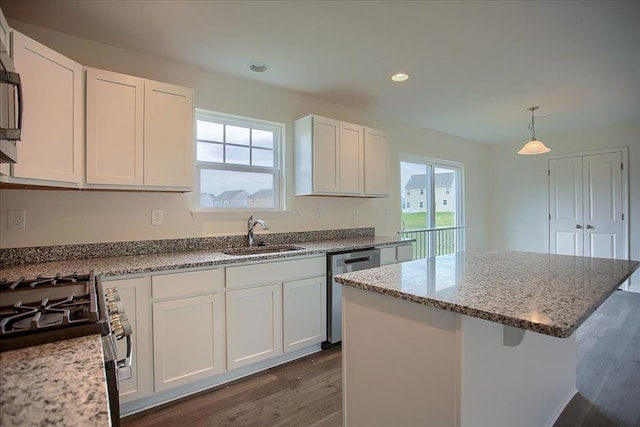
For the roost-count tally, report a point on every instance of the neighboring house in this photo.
(415, 194)
(206, 200)
(414, 198)
(445, 196)
(230, 199)
(261, 199)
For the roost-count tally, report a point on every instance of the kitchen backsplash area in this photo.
(34, 254)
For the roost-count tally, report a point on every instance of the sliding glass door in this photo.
(431, 205)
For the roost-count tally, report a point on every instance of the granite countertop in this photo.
(61, 383)
(134, 264)
(548, 294)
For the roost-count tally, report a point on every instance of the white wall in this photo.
(518, 208)
(63, 217)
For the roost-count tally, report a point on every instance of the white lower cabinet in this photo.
(188, 327)
(274, 307)
(188, 340)
(193, 329)
(136, 295)
(304, 313)
(396, 253)
(254, 325)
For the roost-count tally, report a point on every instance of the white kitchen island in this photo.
(468, 339)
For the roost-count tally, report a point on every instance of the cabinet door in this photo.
(404, 252)
(136, 296)
(4, 32)
(351, 159)
(188, 340)
(376, 163)
(254, 325)
(387, 255)
(326, 173)
(168, 135)
(51, 146)
(304, 313)
(115, 107)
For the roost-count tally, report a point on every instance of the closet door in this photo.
(602, 187)
(565, 206)
(586, 206)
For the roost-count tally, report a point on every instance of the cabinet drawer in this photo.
(275, 272)
(404, 252)
(188, 283)
(387, 255)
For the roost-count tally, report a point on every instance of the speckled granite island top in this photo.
(548, 294)
(59, 384)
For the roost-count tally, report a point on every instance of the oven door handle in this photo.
(124, 365)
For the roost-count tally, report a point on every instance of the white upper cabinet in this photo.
(4, 32)
(51, 147)
(168, 135)
(115, 109)
(139, 132)
(351, 159)
(332, 159)
(376, 162)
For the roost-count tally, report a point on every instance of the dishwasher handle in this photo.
(356, 260)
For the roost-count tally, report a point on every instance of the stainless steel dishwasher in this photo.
(337, 263)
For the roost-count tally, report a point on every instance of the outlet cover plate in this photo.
(157, 217)
(16, 219)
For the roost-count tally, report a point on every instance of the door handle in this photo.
(578, 226)
(589, 226)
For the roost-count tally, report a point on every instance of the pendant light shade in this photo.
(534, 146)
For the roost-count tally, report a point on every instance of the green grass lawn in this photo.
(418, 220)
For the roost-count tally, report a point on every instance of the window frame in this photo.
(277, 170)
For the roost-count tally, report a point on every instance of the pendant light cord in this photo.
(532, 126)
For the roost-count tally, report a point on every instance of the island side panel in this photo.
(400, 362)
(529, 384)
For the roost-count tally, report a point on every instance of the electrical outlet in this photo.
(157, 216)
(16, 219)
(354, 213)
(318, 213)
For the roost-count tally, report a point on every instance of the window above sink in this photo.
(238, 161)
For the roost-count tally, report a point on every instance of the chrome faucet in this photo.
(251, 223)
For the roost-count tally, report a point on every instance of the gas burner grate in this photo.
(42, 281)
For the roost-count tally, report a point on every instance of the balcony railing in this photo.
(435, 241)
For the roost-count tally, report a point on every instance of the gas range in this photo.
(47, 309)
(42, 310)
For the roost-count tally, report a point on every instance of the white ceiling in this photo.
(475, 66)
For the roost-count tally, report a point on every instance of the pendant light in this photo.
(534, 146)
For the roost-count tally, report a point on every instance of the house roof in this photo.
(266, 193)
(417, 181)
(228, 195)
(444, 179)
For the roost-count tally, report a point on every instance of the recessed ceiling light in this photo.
(258, 67)
(400, 77)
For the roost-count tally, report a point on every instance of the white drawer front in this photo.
(174, 285)
(275, 272)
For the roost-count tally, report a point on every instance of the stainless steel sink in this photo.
(256, 250)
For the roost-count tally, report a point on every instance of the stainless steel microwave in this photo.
(10, 108)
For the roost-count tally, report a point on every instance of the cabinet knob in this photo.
(589, 226)
(578, 226)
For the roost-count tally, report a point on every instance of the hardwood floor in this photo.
(608, 366)
(308, 392)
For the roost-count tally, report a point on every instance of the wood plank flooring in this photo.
(308, 392)
(608, 374)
